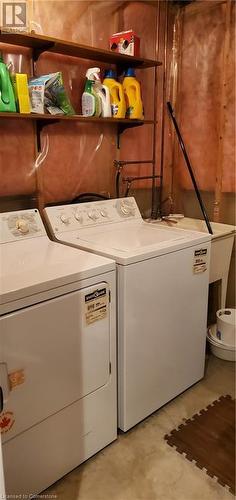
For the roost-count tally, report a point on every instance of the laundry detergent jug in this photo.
(132, 93)
(118, 105)
(7, 98)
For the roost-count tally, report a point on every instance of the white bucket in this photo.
(226, 326)
(219, 348)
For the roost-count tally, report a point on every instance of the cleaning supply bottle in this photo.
(103, 92)
(118, 106)
(7, 98)
(91, 102)
(133, 98)
(21, 92)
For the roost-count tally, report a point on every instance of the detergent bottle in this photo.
(104, 94)
(91, 102)
(118, 106)
(133, 98)
(7, 98)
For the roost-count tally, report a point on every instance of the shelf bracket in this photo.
(121, 127)
(36, 52)
(40, 124)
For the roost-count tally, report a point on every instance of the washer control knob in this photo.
(103, 213)
(124, 208)
(65, 219)
(78, 217)
(92, 214)
(22, 226)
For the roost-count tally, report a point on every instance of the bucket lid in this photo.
(227, 316)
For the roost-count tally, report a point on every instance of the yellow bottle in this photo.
(133, 97)
(21, 91)
(118, 105)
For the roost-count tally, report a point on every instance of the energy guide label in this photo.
(96, 304)
(200, 261)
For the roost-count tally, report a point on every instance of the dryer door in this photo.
(52, 354)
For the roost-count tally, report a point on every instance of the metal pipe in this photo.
(158, 212)
(127, 189)
(118, 183)
(121, 163)
(141, 178)
(222, 115)
(181, 142)
(155, 93)
(129, 180)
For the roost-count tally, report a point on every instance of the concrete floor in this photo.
(140, 465)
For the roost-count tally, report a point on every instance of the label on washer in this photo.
(16, 378)
(7, 420)
(96, 304)
(200, 261)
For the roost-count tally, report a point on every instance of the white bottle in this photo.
(104, 94)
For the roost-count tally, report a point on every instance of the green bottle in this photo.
(7, 98)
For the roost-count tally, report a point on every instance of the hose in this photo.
(87, 197)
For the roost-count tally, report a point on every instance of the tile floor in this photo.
(141, 466)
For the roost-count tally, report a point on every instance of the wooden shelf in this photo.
(40, 43)
(91, 119)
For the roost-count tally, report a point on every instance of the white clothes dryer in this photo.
(57, 354)
(2, 480)
(162, 276)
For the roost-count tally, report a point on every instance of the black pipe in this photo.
(118, 183)
(181, 142)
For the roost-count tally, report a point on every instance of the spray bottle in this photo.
(91, 102)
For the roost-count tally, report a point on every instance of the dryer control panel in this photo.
(21, 225)
(82, 215)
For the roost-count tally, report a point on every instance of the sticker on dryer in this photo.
(200, 261)
(96, 304)
(16, 378)
(6, 421)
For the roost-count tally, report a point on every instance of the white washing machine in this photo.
(162, 276)
(57, 354)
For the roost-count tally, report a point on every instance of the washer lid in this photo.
(38, 265)
(133, 241)
(133, 238)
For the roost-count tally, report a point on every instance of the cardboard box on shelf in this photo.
(125, 42)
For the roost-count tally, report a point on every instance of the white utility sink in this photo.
(221, 249)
